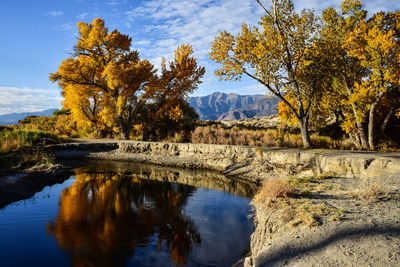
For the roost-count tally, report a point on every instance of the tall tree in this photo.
(275, 56)
(361, 58)
(377, 46)
(103, 68)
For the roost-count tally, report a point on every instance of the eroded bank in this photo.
(367, 232)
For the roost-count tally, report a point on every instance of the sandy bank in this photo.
(253, 163)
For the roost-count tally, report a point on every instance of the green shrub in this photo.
(11, 140)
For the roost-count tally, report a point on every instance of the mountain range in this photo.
(13, 118)
(217, 106)
(221, 106)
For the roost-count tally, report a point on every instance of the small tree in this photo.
(275, 56)
(169, 90)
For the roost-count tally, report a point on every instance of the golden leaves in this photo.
(105, 83)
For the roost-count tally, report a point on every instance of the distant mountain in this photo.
(13, 118)
(220, 106)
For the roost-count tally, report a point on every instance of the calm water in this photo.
(120, 214)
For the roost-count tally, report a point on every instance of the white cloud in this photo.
(82, 16)
(14, 99)
(68, 27)
(116, 2)
(55, 13)
(174, 22)
(141, 43)
(381, 5)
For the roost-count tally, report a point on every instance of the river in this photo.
(126, 214)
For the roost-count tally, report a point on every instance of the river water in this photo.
(124, 214)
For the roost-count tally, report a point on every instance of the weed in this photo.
(371, 194)
(292, 198)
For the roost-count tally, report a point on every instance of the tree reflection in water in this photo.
(103, 217)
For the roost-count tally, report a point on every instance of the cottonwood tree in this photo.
(355, 60)
(106, 85)
(361, 58)
(376, 44)
(169, 90)
(103, 80)
(275, 54)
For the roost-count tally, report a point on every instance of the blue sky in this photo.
(37, 35)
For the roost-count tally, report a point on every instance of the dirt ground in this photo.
(368, 233)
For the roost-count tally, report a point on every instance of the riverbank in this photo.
(347, 214)
(362, 186)
(25, 183)
(253, 163)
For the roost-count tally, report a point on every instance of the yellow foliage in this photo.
(115, 214)
(106, 85)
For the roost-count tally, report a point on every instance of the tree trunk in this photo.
(305, 135)
(125, 130)
(371, 127)
(145, 134)
(355, 139)
(97, 133)
(363, 136)
(385, 123)
(361, 131)
(337, 117)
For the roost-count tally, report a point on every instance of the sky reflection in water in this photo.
(129, 215)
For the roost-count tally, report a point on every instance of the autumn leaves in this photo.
(342, 63)
(108, 88)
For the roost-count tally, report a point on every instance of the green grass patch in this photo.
(13, 140)
(21, 149)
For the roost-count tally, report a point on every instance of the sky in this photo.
(36, 37)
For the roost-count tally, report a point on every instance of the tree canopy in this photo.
(275, 54)
(105, 84)
(343, 63)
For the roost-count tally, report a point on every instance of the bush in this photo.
(11, 140)
(60, 124)
(218, 134)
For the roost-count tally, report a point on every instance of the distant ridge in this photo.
(13, 118)
(221, 106)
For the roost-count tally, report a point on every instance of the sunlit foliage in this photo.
(344, 64)
(105, 84)
(278, 55)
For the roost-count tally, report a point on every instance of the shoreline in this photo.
(22, 185)
(274, 243)
(253, 163)
(368, 230)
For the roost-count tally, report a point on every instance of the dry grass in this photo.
(292, 198)
(218, 134)
(21, 149)
(307, 186)
(370, 194)
(274, 190)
